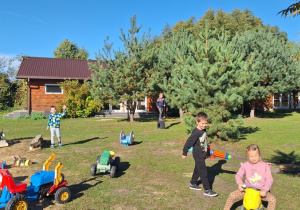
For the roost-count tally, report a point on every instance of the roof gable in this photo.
(54, 68)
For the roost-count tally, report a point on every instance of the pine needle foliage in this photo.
(124, 78)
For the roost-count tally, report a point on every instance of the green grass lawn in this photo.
(152, 174)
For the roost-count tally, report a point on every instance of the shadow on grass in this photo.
(84, 141)
(215, 170)
(137, 142)
(78, 189)
(76, 192)
(289, 163)
(172, 124)
(237, 205)
(123, 166)
(247, 130)
(140, 119)
(18, 140)
(275, 114)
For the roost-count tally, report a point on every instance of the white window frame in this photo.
(125, 108)
(115, 110)
(61, 92)
(280, 102)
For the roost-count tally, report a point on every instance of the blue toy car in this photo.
(126, 140)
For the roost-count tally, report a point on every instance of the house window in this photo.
(276, 100)
(284, 100)
(115, 107)
(141, 103)
(53, 89)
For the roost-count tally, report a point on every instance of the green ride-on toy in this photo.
(106, 164)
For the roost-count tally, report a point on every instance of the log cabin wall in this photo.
(151, 104)
(40, 101)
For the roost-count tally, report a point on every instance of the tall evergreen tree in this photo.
(292, 10)
(67, 49)
(124, 78)
(203, 79)
(167, 31)
(267, 66)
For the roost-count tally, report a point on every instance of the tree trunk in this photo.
(181, 114)
(132, 111)
(295, 100)
(252, 112)
(242, 110)
(131, 118)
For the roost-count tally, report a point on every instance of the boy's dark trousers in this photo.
(200, 171)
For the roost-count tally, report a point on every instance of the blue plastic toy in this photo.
(2, 165)
(126, 140)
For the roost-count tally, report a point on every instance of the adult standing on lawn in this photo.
(54, 124)
(161, 104)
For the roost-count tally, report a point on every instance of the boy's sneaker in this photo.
(52, 146)
(59, 144)
(210, 193)
(194, 187)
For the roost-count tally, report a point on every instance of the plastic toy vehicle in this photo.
(2, 164)
(105, 163)
(18, 161)
(252, 199)
(3, 142)
(126, 140)
(214, 153)
(16, 195)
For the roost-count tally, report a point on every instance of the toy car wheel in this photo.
(63, 195)
(117, 162)
(243, 208)
(18, 202)
(113, 171)
(98, 159)
(93, 169)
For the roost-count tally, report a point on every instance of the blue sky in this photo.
(36, 28)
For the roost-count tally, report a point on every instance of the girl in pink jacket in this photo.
(257, 175)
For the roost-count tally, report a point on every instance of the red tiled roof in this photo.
(54, 68)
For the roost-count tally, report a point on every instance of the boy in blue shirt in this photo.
(54, 124)
(198, 141)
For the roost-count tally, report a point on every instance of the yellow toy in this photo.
(252, 200)
(18, 161)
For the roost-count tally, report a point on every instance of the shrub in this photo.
(78, 99)
(23, 117)
(37, 116)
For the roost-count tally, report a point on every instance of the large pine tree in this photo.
(267, 66)
(124, 78)
(203, 79)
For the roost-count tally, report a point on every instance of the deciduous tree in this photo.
(67, 49)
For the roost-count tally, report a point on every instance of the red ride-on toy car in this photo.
(16, 195)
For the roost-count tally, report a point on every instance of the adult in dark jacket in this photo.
(160, 104)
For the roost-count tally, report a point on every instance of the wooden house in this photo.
(44, 76)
